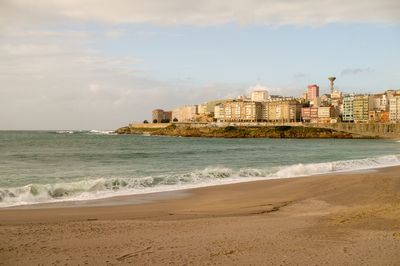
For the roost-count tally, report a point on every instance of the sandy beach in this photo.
(336, 219)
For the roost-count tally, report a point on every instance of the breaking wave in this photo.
(101, 132)
(95, 188)
(65, 132)
(87, 132)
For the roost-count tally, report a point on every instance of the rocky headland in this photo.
(241, 132)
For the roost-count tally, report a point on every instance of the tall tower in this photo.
(331, 81)
(312, 91)
(313, 94)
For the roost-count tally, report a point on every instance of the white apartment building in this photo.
(381, 102)
(259, 95)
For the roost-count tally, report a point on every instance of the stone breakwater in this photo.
(240, 132)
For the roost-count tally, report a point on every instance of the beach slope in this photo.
(336, 219)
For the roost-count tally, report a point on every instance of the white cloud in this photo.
(356, 71)
(95, 88)
(262, 87)
(201, 13)
(114, 34)
(53, 79)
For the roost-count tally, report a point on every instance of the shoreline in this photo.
(181, 193)
(338, 218)
(114, 200)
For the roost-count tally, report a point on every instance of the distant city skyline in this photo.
(97, 65)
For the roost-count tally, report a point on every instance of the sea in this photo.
(53, 166)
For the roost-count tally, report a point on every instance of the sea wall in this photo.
(368, 129)
(149, 125)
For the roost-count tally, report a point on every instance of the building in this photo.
(259, 95)
(243, 98)
(325, 100)
(262, 107)
(336, 98)
(264, 111)
(326, 114)
(203, 115)
(381, 102)
(284, 111)
(376, 116)
(219, 114)
(202, 109)
(322, 114)
(312, 91)
(167, 116)
(394, 109)
(185, 113)
(313, 94)
(211, 105)
(238, 111)
(391, 93)
(161, 116)
(309, 114)
(280, 98)
(336, 94)
(362, 104)
(348, 108)
(384, 116)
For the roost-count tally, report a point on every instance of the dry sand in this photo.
(338, 219)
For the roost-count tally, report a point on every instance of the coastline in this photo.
(336, 218)
(266, 130)
(286, 172)
(239, 131)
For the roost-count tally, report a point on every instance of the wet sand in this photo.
(336, 219)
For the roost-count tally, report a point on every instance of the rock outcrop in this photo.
(242, 132)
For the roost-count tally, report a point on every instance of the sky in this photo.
(99, 64)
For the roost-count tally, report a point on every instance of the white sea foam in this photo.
(94, 188)
(101, 132)
(65, 132)
(87, 132)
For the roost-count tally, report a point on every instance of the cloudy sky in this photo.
(100, 64)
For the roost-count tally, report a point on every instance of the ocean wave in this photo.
(87, 132)
(65, 132)
(84, 189)
(95, 188)
(337, 166)
(101, 132)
